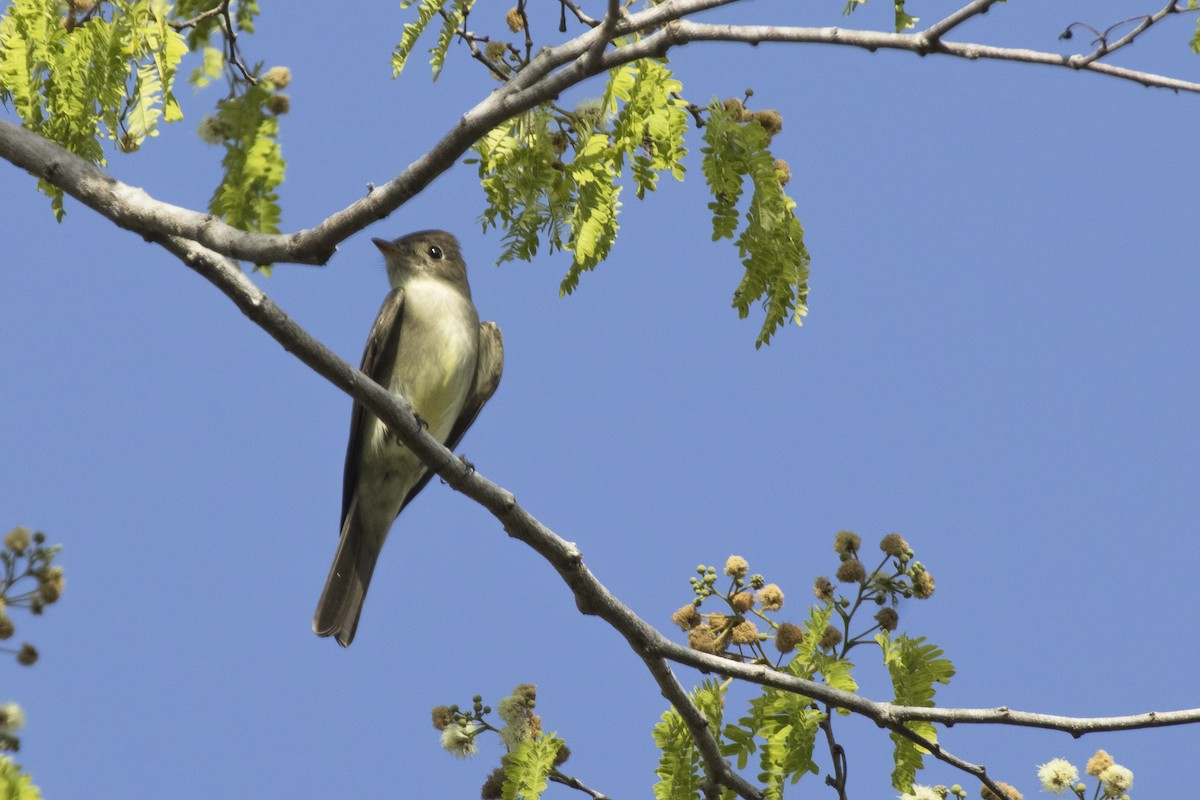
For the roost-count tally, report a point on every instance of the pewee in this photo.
(428, 345)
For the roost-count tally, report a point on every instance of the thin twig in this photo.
(683, 32)
(940, 28)
(183, 25)
(1106, 49)
(837, 754)
(235, 55)
(941, 754)
(575, 783)
(525, 28)
(574, 8)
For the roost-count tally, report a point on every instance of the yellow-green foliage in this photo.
(527, 766)
(455, 12)
(650, 122)
(914, 668)
(771, 243)
(253, 162)
(1195, 43)
(679, 765)
(534, 190)
(783, 728)
(15, 784)
(109, 77)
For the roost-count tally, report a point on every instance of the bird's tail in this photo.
(341, 601)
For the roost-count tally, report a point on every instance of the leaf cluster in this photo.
(15, 784)
(914, 667)
(453, 14)
(531, 757)
(680, 768)
(782, 728)
(78, 79)
(555, 176)
(771, 241)
(247, 125)
(83, 72)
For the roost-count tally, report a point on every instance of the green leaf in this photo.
(914, 668)
(15, 784)
(651, 123)
(412, 32)
(679, 762)
(211, 68)
(804, 663)
(454, 18)
(788, 726)
(78, 83)
(836, 672)
(527, 767)
(253, 163)
(771, 242)
(679, 766)
(903, 21)
(536, 193)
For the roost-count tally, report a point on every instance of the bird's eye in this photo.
(435, 252)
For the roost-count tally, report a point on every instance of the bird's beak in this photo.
(384, 246)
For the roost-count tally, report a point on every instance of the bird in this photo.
(428, 345)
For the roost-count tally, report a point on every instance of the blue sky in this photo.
(999, 364)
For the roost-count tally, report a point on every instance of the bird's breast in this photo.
(439, 344)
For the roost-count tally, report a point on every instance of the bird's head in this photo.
(434, 254)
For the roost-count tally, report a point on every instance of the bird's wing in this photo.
(488, 366)
(379, 359)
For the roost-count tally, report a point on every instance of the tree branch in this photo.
(203, 243)
(567, 780)
(591, 596)
(939, 29)
(1106, 49)
(978, 771)
(684, 32)
(183, 25)
(551, 72)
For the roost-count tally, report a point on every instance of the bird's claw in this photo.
(470, 467)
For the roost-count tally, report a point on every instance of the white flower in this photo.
(921, 793)
(1057, 775)
(460, 740)
(1117, 780)
(12, 718)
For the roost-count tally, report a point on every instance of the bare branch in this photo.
(234, 55)
(1105, 48)
(684, 32)
(579, 14)
(939, 29)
